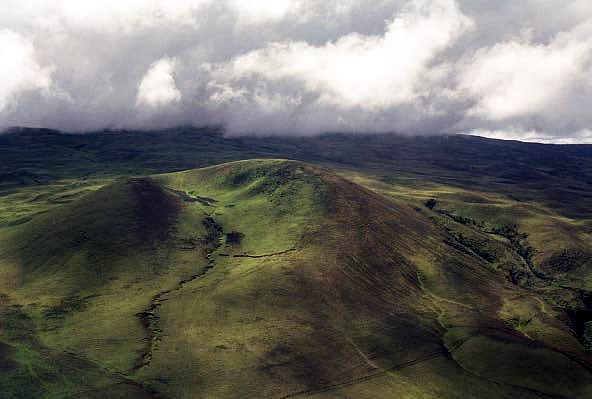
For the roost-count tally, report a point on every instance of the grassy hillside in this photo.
(533, 244)
(272, 278)
(559, 176)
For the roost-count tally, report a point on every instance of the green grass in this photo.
(271, 278)
(271, 202)
(518, 364)
(561, 246)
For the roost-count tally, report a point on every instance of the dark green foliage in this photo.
(213, 229)
(460, 219)
(566, 261)
(234, 238)
(519, 242)
(587, 335)
(67, 305)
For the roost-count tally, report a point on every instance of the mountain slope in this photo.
(272, 278)
(559, 176)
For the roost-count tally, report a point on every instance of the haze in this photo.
(504, 69)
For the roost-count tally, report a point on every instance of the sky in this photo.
(496, 68)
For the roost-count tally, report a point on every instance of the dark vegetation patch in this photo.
(6, 361)
(581, 319)
(64, 199)
(461, 219)
(68, 305)
(18, 382)
(587, 336)
(473, 238)
(566, 261)
(17, 221)
(304, 367)
(16, 325)
(459, 246)
(156, 210)
(252, 256)
(213, 232)
(191, 197)
(480, 245)
(519, 243)
(431, 203)
(234, 238)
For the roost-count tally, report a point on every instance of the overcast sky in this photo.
(498, 68)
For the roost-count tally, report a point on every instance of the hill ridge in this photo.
(358, 282)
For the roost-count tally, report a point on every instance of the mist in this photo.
(503, 69)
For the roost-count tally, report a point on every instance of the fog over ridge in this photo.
(504, 69)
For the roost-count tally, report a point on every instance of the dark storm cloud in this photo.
(500, 68)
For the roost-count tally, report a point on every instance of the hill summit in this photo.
(269, 278)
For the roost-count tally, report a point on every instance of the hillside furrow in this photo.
(150, 319)
(367, 377)
(261, 256)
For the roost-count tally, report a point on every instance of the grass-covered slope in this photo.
(559, 176)
(533, 245)
(272, 278)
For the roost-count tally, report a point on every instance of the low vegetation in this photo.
(274, 278)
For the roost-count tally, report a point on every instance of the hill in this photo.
(560, 176)
(273, 278)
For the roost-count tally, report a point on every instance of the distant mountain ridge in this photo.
(561, 175)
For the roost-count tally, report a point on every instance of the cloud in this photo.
(368, 72)
(133, 16)
(19, 70)
(520, 78)
(329, 85)
(258, 11)
(109, 16)
(300, 66)
(158, 87)
(580, 137)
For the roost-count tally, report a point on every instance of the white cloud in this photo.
(19, 69)
(368, 72)
(583, 136)
(300, 66)
(158, 87)
(106, 15)
(258, 11)
(132, 16)
(520, 78)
